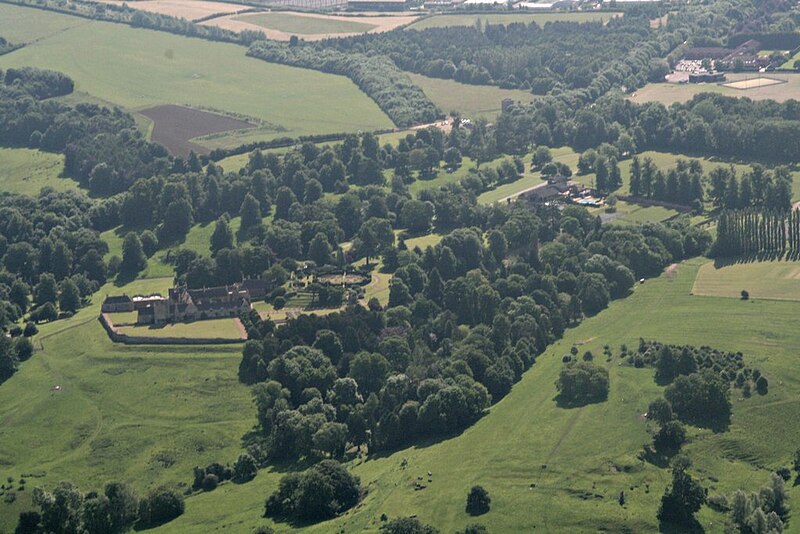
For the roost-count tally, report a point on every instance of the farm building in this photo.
(378, 5)
(706, 77)
(193, 304)
(117, 303)
(535, 6)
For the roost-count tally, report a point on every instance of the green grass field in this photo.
(444, 21)
(26, 171)
(669, 93)
(763, 280)
(289, 23)
(21, 25)
(473, 101)
(211, 328)
(591, 449)
(136, 69)
(143, 414)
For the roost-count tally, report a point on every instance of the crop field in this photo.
(144, 414)
(444, 21)
(26, 171)
(305, 25)
(473, 101)
(138, 69)
(784, 87)
(186, 9)
(175, 126)
(280, 26)
(761, 279)
(207, 329)
(590, 450)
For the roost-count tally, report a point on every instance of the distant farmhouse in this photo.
(184, 304)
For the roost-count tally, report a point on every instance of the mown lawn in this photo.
(472, 101)
(590, 450)
(443, 21)
(25, 171)
(761, 279)
(289, 23)
(137, 69)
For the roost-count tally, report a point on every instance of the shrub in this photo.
(478, 501)
(245, 469)
(30, 329)
(210, 482)
(161, 506)
(581, 383)
(745, 294)
(321, 492)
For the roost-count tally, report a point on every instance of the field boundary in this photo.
(118, 337)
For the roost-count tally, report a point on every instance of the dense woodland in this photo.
(466, 317)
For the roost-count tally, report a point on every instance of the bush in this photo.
(670, 437)
(278, 302)
(245, 469)
(745, 294)
(478, 501)
(581, 383)
(161, 506)
(407, 525)
(30, 329)
(323, 491)
(210, 482)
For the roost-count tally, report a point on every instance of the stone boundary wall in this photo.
(118, 337)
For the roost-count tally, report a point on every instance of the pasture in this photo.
(472, 101)
(143, 414)
(590, 453)
(778, 279)
(138, 69)
(788, 87)
(444, 21)
(26, 172)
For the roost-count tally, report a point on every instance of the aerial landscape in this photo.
(399, 266)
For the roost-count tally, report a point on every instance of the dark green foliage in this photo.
(160, 506)
(245, 469)
(478, 501)
(582, 383)
(133, 256)
(700, 398)
(321, 492)
(682, 498)
(407, 525)
(669, 437)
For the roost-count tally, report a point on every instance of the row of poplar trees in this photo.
(742, 233)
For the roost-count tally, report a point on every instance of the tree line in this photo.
(749, 232)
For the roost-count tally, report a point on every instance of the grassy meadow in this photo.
(302, 25)
(137, 69)
(472, 101)
(143, 414)
(444, 21)
(587, 451)
(25, 171)
(762, 280)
